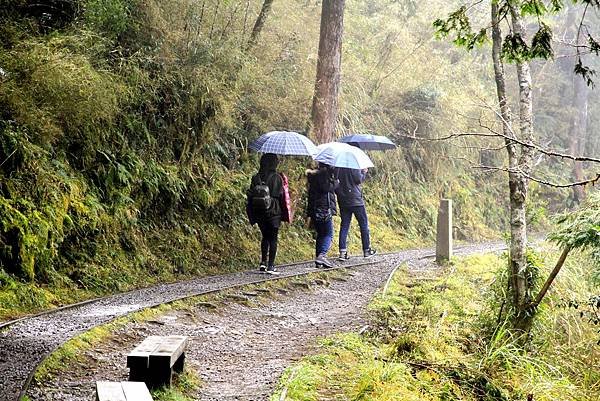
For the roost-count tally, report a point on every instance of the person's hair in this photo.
(268, 162)
(325, 166)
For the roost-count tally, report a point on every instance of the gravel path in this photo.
(249, 346)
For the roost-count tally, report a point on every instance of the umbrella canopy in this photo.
(284, 143)
(368, 141)
(339, 154)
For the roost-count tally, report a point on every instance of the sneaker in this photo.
(262, 268)
(272, 270)
(370, 252)
(343, 256)
(322, 262)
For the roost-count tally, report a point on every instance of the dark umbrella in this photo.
(368, 141)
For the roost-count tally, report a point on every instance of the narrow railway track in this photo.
(27, 342)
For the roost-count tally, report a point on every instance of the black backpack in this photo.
(260, 196)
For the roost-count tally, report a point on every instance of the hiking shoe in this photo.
(322, 262)
(272, 270)
(262, 268)
(370, 252)
(343, 256)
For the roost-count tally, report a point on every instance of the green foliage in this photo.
(426, 343)
(108, 17)
(184, 387)
(586, 72)
(580, 229)
(514, 47)
(459, 23)
(535, 7)
(58, 95)
(541, 44)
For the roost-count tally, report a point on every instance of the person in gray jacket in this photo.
(351, 202)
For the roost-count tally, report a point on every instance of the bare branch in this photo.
(445, 138)
(492, 133)
(591, 181)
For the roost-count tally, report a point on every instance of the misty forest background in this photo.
(124, 127)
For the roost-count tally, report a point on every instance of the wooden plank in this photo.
(109, 391)
(169, 350)
(136, 391)
(139, 356)
(178, 366)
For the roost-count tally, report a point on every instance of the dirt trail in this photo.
(240, 350)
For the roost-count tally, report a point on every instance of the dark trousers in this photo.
(268, 245)
(324, 231)
(361, 216)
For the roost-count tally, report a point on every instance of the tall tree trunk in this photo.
(327, 85)
(519, 183)
(517, 189)
(511, 147)
(260, 22)
(578, 130)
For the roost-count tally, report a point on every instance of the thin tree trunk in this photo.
(229, 21)
(212, 26)
(550, 279)
(201, 19)
(260, 22)
(245, 21)
(327, 85)
(578, 103)
(511, 148)
(578, 131)
(519, 187)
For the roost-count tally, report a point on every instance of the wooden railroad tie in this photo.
(122, 391)
(155, 359)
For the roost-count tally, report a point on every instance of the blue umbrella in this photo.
(338, 154)
(284, 143)
(368, 141)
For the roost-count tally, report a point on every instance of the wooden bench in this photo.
(122, 391)
(155, 359)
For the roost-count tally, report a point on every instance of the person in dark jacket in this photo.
(350, 199)
(321, 209)
(269, 218)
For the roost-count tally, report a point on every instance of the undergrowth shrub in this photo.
(59, 97)
(108, 17)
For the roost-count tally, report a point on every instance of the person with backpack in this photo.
(264, 208)
(321, 209)
(351, 202)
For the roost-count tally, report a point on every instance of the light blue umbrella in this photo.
(284, 143)
(368, 141)
(339, 154)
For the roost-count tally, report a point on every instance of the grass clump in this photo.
(430, 339)
(184, 387)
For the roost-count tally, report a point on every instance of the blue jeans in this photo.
(361, 216)
(324, 236)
